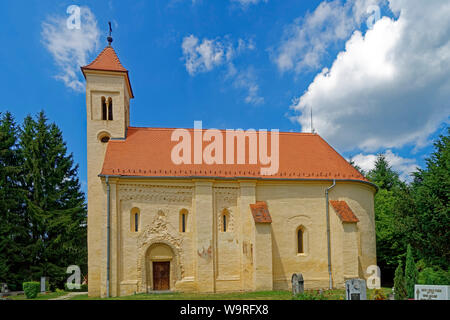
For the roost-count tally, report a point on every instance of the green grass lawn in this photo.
(260, 295)
(41, 296)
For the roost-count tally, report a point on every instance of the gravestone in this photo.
(3, 288)
(429, 292)
(355, 289)
(297, 283)
(43, 284)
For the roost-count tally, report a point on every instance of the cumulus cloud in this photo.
(207, 54)
(71, 48)
(390, 86)
(306, 41)
(403, 166)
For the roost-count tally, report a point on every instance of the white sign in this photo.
(429, 292)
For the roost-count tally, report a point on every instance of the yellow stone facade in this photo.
(248, 256)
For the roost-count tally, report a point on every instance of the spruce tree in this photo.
(399, 283)
(55, 207)
(411, 273)
(13, 229)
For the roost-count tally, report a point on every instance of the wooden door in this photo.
(161, 275)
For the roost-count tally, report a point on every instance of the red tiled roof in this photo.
(108, 60)
(146, 152)
(260, 212)
(344, 212)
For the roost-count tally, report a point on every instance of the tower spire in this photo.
(110, 39)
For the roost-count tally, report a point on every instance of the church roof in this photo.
(146, 152)
(108, 61)
(343, 211)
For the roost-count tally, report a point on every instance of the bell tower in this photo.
(108, 94)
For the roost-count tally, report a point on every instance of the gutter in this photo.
(108, 232)
(328, 233)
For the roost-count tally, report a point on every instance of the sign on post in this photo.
(430, 292)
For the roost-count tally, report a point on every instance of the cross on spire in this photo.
(110, 39)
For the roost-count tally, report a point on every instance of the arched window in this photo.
(134, 221)
(110, 109)
(300, 247)
(225, 220)
(104, 109)
(183, 220)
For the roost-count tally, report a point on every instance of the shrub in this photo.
(434, 276)
(411, 274)
(399, 283)
(378, 295)
(31, 289)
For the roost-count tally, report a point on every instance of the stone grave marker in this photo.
(355, 289)
(43, 284)
(297, 283)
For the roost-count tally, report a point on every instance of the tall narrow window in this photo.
(136, 222)
(183, 220)
(110, 109)
(300, 241)
(225, 223)
(104, 109)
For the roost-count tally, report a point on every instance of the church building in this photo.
(155, 224)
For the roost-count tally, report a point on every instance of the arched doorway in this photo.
(160, 267)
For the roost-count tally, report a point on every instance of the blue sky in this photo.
(244, 64)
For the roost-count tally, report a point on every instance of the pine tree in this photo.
(383, 175)
(399, 283)
(13, 229)
(55, 206)
(411, 273)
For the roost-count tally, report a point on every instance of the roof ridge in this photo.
(204, 129)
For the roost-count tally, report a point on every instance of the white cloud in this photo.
(403, 166)
(246, 3)
(390, 87)
(204, 56)
(306, 41)
(70, 48)
(247, 80)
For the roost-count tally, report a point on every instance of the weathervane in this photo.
(110, 39)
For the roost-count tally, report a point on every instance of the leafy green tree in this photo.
(54, 205)
(399, 283)
(411, 274)
(428, 223)
(390, 241)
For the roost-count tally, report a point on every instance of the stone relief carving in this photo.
(156, 193)
(159, 232)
